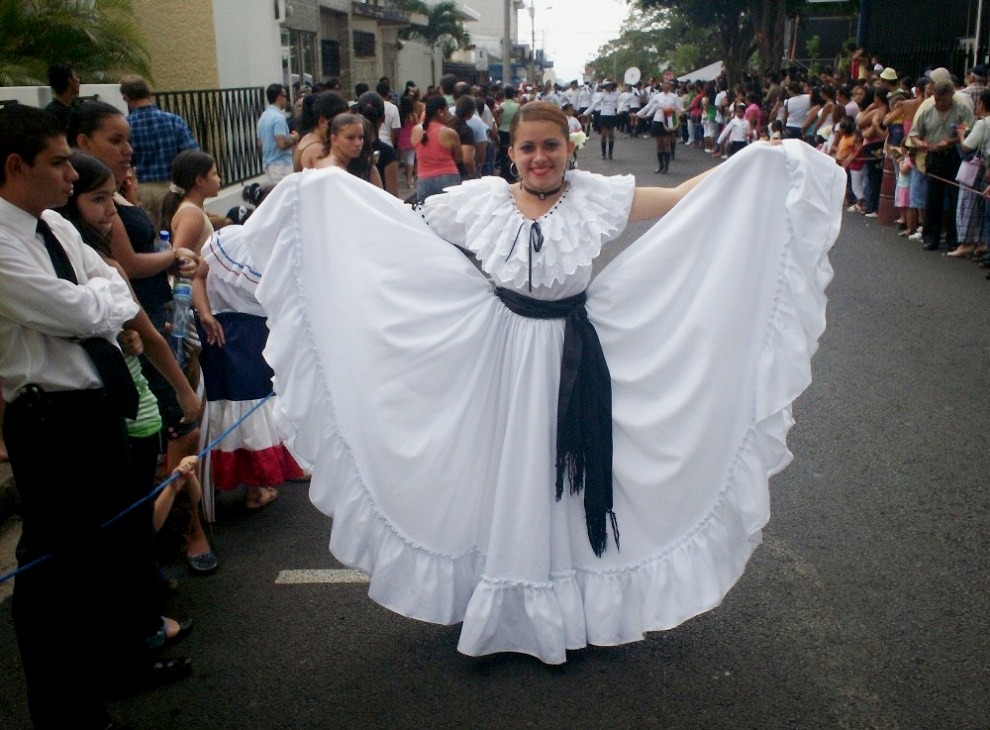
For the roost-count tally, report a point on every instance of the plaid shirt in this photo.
(157, 137)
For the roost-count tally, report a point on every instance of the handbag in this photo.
(968, 171)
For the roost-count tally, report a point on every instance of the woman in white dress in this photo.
(427, 409)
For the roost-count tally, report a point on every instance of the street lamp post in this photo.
(532, 28)
(532, 46)
(507, 43)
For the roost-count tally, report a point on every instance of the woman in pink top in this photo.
(438, 150)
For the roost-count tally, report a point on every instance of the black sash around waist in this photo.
(584, 410)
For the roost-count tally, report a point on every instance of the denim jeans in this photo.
(425, 187)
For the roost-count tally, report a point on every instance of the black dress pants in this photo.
(942, 196)
(82, 615)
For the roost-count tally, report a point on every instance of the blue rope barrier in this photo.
(152, 494)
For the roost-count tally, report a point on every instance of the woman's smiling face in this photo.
(540, 151)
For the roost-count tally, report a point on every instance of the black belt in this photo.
(584, 410)
(34, 395)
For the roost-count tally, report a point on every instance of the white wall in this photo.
(38, 96)
(414, 65)
(249, 43)
(41, 96)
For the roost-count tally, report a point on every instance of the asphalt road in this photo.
(865, 607)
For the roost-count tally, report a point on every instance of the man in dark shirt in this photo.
(65, 83)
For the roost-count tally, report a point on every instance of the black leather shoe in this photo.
(151, 673)
(165, 670)
(931, 246)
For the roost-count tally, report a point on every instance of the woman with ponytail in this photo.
(194, 179)
(438, 151)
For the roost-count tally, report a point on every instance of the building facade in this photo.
(195, 44)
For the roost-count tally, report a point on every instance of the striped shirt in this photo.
(149, 420)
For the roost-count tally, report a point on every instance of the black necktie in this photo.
(108, 359)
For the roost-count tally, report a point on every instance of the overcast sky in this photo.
(571, 31)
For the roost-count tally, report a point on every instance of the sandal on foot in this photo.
(183, 627)
(265, 498)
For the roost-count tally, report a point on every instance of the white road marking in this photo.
(300, 577)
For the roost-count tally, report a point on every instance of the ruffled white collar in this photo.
(481, 216)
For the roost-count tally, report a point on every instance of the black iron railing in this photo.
(224, 122)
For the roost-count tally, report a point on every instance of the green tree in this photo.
(742, 28)
(653, 40)
(100, 38)
(445, 29)
(730, 18)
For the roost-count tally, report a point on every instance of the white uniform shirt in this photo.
(584, 98)
(663, 107)
(736, 129)
(42, 317)
(607, 103)
(624, 101)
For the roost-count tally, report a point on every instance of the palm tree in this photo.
(445, 29)
(99, 38)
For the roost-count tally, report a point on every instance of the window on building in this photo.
(331, 58)
(364, 44)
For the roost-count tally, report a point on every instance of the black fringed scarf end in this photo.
(584, 412)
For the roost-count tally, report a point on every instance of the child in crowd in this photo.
(737, 133)
(194, 179)
(573, 126)
(708, 114)
(236, 377)
(902, 192)
(848, 155)
(91, 209)
(777, 129)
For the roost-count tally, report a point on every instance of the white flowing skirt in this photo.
(427, 411)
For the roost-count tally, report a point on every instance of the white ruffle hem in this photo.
(427, 411)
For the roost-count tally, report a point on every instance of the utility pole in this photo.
(507, 43)
(532, 47)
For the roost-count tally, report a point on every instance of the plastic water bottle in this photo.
(181, 316)
(164, 242)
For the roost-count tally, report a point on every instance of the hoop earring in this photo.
(513, 170)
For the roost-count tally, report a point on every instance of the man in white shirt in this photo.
(721, 101)
(573, 93)
(61, 309)
(796, 108)
(391, 124)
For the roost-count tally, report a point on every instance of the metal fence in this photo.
(224, 123)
